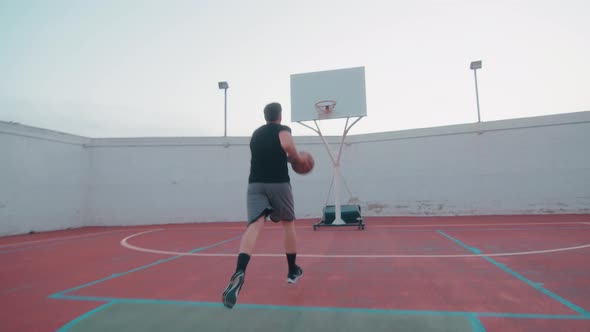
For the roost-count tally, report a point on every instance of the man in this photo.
(269, 195)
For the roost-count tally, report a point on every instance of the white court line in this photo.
(56, 239)
(475, 224)
(125, 244)
(382, 226)
(275, 227)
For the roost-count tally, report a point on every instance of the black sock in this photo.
(291, 261)
(243, 260)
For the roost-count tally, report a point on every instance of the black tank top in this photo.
(268, 159)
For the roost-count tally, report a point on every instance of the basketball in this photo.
(305, 167)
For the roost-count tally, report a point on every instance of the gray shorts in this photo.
(274, 200)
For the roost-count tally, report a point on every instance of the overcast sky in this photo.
(121, 68)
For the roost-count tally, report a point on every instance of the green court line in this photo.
(476, 324)
(469, 314)
(80, 318)
(143, 267)
(536, 286)
(61, 295)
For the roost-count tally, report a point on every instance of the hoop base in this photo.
(350, 216)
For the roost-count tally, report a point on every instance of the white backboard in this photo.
(338, 94)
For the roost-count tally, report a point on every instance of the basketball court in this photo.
(526, 273)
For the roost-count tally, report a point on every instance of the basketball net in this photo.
(325, 108)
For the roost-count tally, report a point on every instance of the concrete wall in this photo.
(139, 181)
(520, 166)
(523, 166)
(43, 179)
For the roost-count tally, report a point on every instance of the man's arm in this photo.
(289, 146)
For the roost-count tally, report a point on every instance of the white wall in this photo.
(520, 166)
(145, 181)
(43, 179)
(524, 166)
(138, 181)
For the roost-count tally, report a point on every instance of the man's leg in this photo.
(230, 294)
(290, 242)
(290, 237)
(251, 235)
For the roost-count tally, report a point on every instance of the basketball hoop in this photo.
(324, 108)
(345, 87)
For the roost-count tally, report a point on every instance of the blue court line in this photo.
(472, 316)
(476, 325)
(71, 324)
(116, 275)
(533, 316)
(536, 286)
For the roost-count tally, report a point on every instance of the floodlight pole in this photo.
(475, 65)
(477, 95)
(225, 112)
(224, 86)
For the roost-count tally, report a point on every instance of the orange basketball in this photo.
(304, 167)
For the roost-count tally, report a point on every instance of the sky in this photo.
(123, 68)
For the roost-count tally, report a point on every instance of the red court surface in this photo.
(513, 273)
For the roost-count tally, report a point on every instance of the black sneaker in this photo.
(293, 276)
(230, 294)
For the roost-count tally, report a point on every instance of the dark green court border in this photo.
(155, 317)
